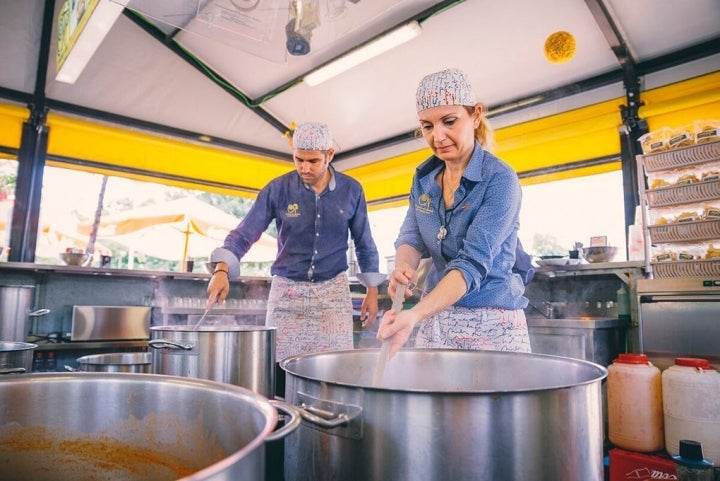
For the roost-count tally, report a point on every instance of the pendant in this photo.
(442, 233)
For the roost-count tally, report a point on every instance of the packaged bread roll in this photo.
(711, 212)
(712, 252)
(707, 131)
(655, 141)
(683, 136)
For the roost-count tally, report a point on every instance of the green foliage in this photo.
(8, 181)
(547, 245)
(237, 206)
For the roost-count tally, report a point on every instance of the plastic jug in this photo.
(634, 395)
(691, 404)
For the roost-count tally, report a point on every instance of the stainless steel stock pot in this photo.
(16, 357)
(234, 354)
(115, 362)
(445, 414)
(133, 427)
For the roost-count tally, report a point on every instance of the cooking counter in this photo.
(172, 296)
(593, 339)
(576, 323)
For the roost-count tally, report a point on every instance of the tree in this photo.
(8, 180)
(547, 245)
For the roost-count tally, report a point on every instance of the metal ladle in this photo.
(202, 318)
(384, 355)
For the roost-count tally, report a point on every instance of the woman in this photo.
(463, 215)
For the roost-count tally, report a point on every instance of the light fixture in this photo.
(80, 34)
(365, 52)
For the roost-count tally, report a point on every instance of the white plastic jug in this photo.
(691, 403)
(634, 396)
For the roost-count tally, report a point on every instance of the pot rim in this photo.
(238, 392)
(600, 374)
(7, 346)
(206, 328)
(102, 359)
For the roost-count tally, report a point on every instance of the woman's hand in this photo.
(397, 328)
(400, 276)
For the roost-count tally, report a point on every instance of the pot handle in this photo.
(13, 370)
(39, 312)
(291, 425)
(163, 344)
(324, 418)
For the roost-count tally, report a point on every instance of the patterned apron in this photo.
(310, 316)
(479, 328)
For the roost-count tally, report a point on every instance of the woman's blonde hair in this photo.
(484, 132)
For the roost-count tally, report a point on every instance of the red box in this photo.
(632, 466)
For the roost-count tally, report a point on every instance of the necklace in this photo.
(445, 218)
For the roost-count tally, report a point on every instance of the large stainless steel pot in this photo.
(240, 355)
(445, 414)
(133, 427)
(15, 312)
(116, 362)
(16, 357)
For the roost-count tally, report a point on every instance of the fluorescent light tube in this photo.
(101, 19)
(361, 54)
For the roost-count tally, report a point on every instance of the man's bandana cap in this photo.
(447, 87)
(312, 136)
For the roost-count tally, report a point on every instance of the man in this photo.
(314, 209)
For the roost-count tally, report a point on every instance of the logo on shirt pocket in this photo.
(293, 210)
(424, 205)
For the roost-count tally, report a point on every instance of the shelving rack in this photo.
(680, 195)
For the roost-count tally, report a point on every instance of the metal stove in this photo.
(679, 318)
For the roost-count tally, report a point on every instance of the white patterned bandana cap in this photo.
(312, 136)
(447, 87)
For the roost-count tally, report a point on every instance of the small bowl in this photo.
(552, 261)
(74, 258)
(600, 253)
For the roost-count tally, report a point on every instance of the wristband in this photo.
(221, 270)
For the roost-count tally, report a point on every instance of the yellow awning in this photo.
(554, 141)
(11, 122)
(175, 162)
(582, 134)
(682, 103)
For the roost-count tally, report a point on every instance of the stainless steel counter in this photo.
(597, 340)
(98, 271)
